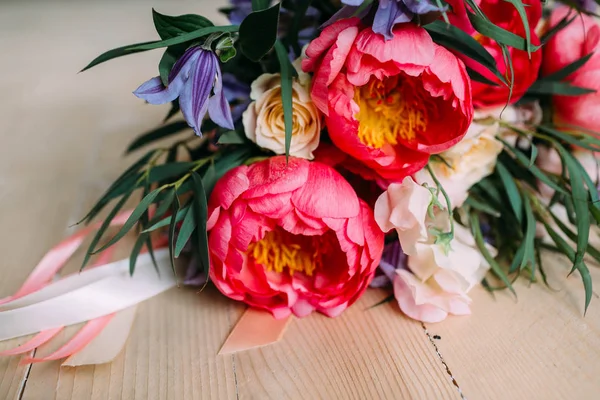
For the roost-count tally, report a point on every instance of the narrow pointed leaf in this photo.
(201, 213)
(287, 75)
(172, 225)
(133, 218)
(512, 191)
(185, 231)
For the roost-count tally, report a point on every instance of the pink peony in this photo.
(580, 38)
(389, 104)
(291, 238)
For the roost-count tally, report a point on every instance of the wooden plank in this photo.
(364, 353)
(539, 346)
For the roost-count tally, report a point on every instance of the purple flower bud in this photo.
(193, 78)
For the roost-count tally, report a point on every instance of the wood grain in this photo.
(62, 136)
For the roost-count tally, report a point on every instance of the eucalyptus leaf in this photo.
(172, 225)
(201, 213)
(511, 190)
(185, 231)
(132, 220)
(162, 132)
(544, 87)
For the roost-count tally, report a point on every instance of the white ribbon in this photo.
(93, 293)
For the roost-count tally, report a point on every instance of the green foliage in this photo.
(287, 75)
(258, 32)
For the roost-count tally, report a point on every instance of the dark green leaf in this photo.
(209, 180)
(133, 218)
(121, 185)
(568, 70)
(258, 32)
(571, 138)
(558, 88)
(481, 206)
(476, 229)
(172, 170)
(512, 191)
(454, 38)
(201, 213)
(529, 241)
(287, 76)
(103, 228)
(231, 137)
(172, 225)
(157, 134)
(580, 196)
(523, 15)
(172, 111)
(524, 160)
(258, 5)
(476, 76)
(500, 35)
(167, 220)
(135, 251)
(186, 230)
(170, 26)
(166, 64)
(533, 156)
(138, 47)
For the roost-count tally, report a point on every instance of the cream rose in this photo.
(264, 121)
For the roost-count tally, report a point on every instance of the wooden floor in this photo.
(62, 135)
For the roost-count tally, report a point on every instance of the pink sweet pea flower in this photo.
(389, 103)
(291, 238)
(580, 38)
(503, 14)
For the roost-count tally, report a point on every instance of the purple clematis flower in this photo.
(391, 12)
(193, 77)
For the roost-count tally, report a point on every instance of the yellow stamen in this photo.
(390, 110)
(280, 250)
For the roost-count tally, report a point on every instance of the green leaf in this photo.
(135, 251)
(118, 52)
(201, 213)
(571, 138)
(512, 191)
(299, 15)
(138, 47)
(258, 32)
(568, 70)
(524, 160)
(172, 111)
(231, 137)
(166, 171)
(186, 230)
(580, 196)
(533, 156)
(500, 35)
(481, 206)
(170, 26)
(157, 134)
(454, 38)
(476, 76)
(209, 180)
(167, 220)
(103, 228)
(166, 64)
(121, 185)
(558, 88)
(523, 15)
(258, 5)
(287, 76)
(476, 229)
(529, 241)
(133, 218)
(172, 225)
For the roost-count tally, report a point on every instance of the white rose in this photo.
(264, 122)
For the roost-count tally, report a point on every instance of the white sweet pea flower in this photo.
(403, 206)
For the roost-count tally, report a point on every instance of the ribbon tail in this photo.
(256, 328)
(108, 344)
(33, 343)
(78, 342)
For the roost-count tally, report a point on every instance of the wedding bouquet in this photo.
(326, 147)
